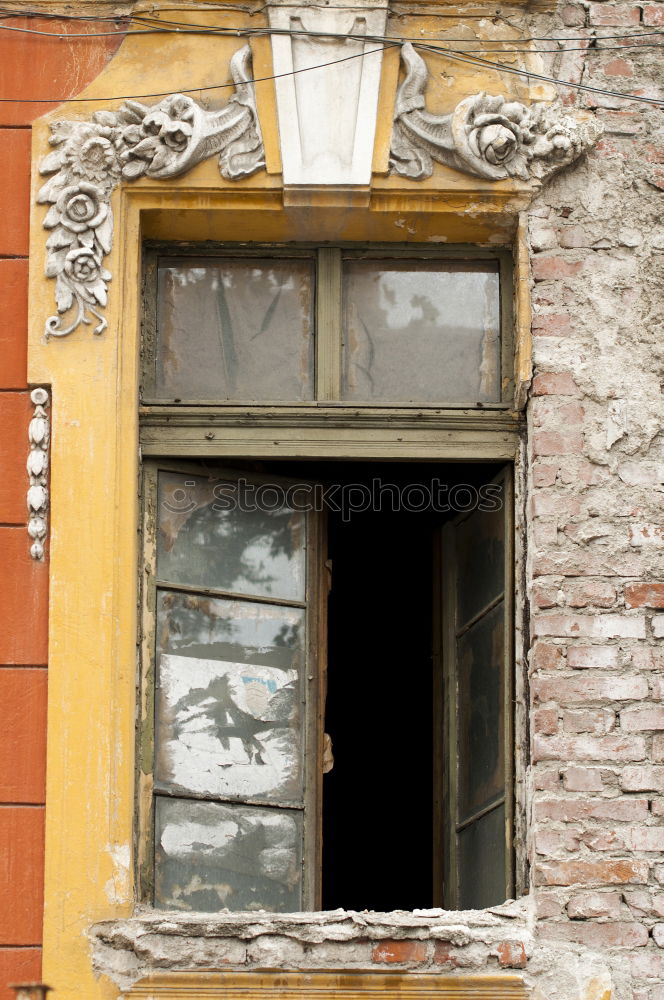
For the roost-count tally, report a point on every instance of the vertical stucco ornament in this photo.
(159, 141)
(486, 136)
(327, 115)
(37, 466)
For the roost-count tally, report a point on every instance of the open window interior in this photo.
(330, 686)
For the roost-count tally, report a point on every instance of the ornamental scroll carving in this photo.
(486, 136)
(92, 158)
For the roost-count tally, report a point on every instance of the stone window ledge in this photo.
(421, 940)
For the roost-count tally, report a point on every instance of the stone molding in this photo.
(485, 136)
(327, 117)
(92, 158)
(37, 467)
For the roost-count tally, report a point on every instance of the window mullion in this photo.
(328, 324)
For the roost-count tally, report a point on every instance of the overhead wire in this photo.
(466, 55)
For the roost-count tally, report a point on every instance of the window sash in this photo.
(328, 333)
(314, 672)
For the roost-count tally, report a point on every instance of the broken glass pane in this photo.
(421, 331)
(233, 329)
(229, 690)
(210, 855)
(236, 536)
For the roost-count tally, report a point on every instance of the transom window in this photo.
(380, 326)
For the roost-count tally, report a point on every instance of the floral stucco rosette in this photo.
(92, 158)
(486, 136)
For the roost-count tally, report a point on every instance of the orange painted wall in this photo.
(49, 67)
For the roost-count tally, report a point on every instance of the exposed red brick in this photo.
(595, 904)
(614, 17)
(444, 954)
(618, 67)
(612, 871)
(554, 383)
(623, 809)
(552, 325)
(554, 443)
(644, 595)
(400, 952)
(589, 687)
(546, 656)
(653, 14)
(621, 934)
(595, 593)
(545, 720)
(555, 268)
(564, 748)
(642, 719)
(512, 955)
(587, 657)
(583, 779)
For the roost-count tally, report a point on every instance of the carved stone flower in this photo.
(81, 207)
(95, 159)
(176, 135)
(82, 265)
(496, 135)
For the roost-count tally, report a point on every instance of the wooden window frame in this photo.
(326, 427)
(328, 343)
(315, 641)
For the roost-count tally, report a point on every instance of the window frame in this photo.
(173, 433)
(328, 320)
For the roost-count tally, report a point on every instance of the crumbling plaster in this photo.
(502, 937)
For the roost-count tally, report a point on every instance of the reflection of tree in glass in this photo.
(227, 547)
(226, 720)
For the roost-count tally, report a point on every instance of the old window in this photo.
(381, 326)
(326, 681)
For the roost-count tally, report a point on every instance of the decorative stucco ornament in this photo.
(485, 136)
(93, 157)
(37, 467)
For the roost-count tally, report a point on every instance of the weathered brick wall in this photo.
(595, 495)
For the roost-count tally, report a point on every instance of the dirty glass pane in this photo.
(481, 862)
(480, 724)
(210, 855)
(229, 536)
(229, 690)
(480, 553)
(234, 329)
(421, 331)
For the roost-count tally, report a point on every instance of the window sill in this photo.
(427, 941)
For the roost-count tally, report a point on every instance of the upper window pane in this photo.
(235, 329)
(421, 331)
